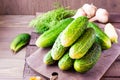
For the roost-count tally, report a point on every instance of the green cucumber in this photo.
(73, 31)
(19, 42)
(85, 63)
(48, 60)
(65, 62)
(48, 38)
(82, 45)
(58, 50)
(103, 38)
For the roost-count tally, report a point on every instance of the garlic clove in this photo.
(80, 12)
(102, 11)
(102, 15)
(89, 9)
(93, 10)
(111, 32)
(103, 19)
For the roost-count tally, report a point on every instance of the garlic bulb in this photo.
(89, 9)
(80, 12)
(101, 15)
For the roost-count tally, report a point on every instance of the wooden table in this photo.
(12, 66)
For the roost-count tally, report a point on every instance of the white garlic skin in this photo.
(102, 15)
(80, 12)
(89, 9)
(109, 29)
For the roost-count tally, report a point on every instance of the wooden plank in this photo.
(8, 34)
(11, 66)
(118, 59)
(28, 72)
(30, 49)
(110, 79)
(11, 78)
(12, 32)
(34, 37)
(111, 74)
(15, 20)
(33, 6)
(114, 70)
(116, 25)
(114, 17)
(113, 5)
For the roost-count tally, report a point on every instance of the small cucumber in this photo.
(19, 41)
(48, 38)
(82, 45)
(85, 63)
(48, 59)
(73, 31)
(103, 38)
(65, 62)
(58, 50)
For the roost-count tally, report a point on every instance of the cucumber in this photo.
(48, 59)
(19, 42)
(65, 62)
(58, 50)
(82, 45)
(73, 31)
(48, 38)
(103, 38)
(85, 63)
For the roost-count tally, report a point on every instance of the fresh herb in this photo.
(51, 18)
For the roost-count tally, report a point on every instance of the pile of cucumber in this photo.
(76, 43)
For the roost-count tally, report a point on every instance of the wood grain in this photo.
(110, 79)
(15, 20)
(11, 66)
(33, 6)
(114, 70)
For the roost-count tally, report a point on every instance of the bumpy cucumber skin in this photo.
(82, 45)
(103, 38)
(65, 62)
(73, 31)
(48, 60)
(87, 62)
(48, 38)
(19, 41)
(58, 50)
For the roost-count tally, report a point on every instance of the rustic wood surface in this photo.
(12, 66)
(33, 6)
